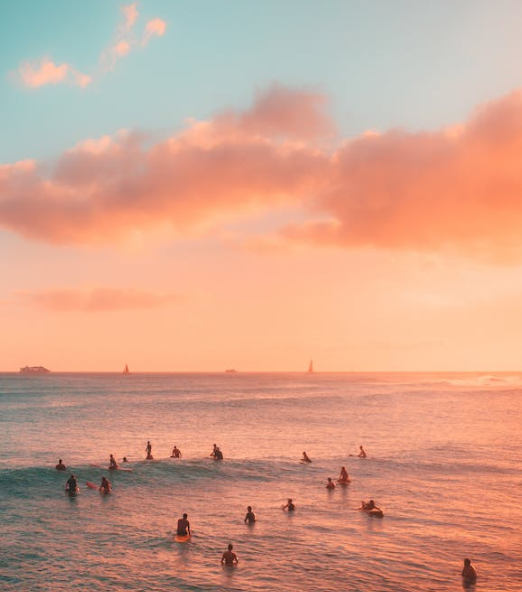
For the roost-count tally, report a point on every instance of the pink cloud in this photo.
(156, 27)
(131, 14)
(458, 189)
(43, 72)
(453, 189)
(97, 299)
(108, 190)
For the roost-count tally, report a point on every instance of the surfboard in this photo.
(179, 538)
(343, 481)
(91, 485)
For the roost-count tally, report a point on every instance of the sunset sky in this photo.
(199, 185)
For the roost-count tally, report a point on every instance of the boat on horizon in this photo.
(34, 370)
(231, 371)
(126, 370)
(311, 367)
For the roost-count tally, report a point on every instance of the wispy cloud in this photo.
(454, 189)
(97, 299)
(45, 71)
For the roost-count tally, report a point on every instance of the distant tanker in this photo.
(34, 370)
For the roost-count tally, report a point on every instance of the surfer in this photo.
(290, 507)
(148, 450)
(72, 485)
(229, 557)
(250, 517)
(176, 452)
(219, 454)
(469, 573)
(368, 506)
(183, 528)
(125, 459)
(361, 454)
(343, 476)
(113, 465)
(306, 458)
(330, 484)
(60, 466)
(105, 486)
(214, 450)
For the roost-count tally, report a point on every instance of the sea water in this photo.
(444, 463)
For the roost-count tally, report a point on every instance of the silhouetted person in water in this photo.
(72, 485)
(113, 465)
(183, 528)
(330, 484)
(148, 450)
(469, 573)
(250, 517)
(306, 458)
(176, 452)
(60, 466)
(361, 454)
(105, 486)
(229, 557)
(290, 507)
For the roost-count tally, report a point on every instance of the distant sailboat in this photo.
(311, 367)
(126, 370)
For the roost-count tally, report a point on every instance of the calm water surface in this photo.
(445, 460)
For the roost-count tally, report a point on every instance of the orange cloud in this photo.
(45, 71)
(455, 189)
(41, 73)
(108, 190)
(97, 300)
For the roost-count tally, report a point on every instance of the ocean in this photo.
(444, 464)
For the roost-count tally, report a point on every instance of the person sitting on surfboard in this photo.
(72, 485)
(60, 466)
(306, 458)
(219, 454)
(250, 517)
(330, 484)
(148, 450)
(361, 454)
(183, 528)
(469, 573)
(289, 505)
(343, 476)
(112, 463)
(229, 557)
(176, 452)
(213, 453)
(105, 486)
